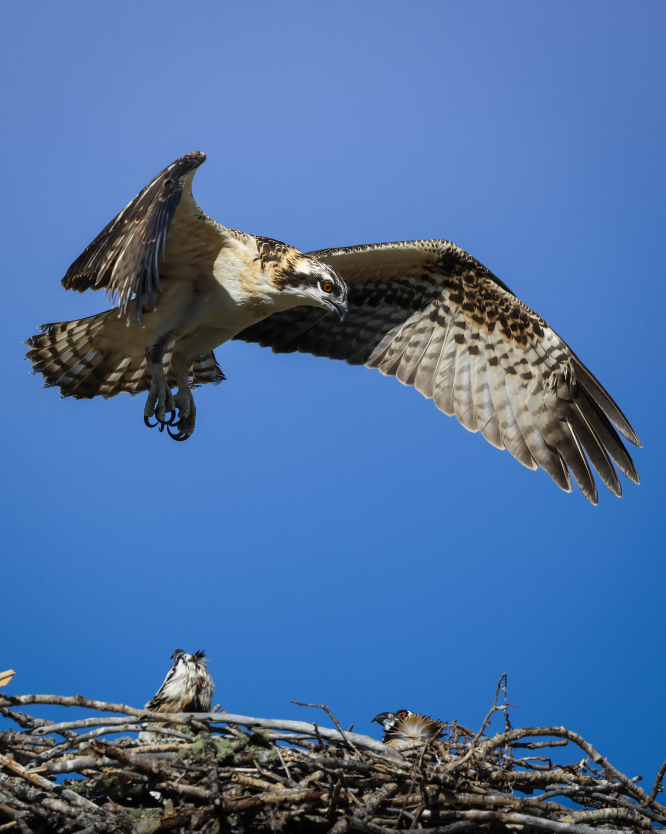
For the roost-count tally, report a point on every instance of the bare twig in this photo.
(501, 739)
(234, 773)
(344, 735)
(537, 745)
(210, 719)
(458, 764)
(284, 764)
(657, 785)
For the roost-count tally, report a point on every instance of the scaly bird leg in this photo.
(184, 401)
(160, 399)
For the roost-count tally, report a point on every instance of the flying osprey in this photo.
(404, 728)
(423, 311)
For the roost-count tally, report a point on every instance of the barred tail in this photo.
(205, 371)
(101, 356)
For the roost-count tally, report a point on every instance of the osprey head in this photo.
(198, 658)
(317, 285)
(390, 719)
(412, 729)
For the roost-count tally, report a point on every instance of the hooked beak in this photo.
(339, 307)
(380, 718)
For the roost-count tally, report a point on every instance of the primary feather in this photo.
(429, 314)
(423, 311)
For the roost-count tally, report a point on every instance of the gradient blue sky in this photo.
(327, 534)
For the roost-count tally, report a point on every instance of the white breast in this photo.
(242, 293)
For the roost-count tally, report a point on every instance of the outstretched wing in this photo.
(434, 317)
(124, 257)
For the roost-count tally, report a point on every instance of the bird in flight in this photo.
(423, 311)
(404, 728)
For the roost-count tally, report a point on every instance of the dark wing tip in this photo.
(197, 157)
(123, 258)
(604, 400)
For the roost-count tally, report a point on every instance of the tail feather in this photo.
(206, 371)
(67, 355)
(76, 357)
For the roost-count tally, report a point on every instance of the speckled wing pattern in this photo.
(124, 257)
(431, 315)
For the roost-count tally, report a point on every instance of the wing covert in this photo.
(124, 258)
(431, 315)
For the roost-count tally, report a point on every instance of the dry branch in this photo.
(217, 772)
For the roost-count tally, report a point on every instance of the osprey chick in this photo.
(423, 311)
(404, 728)
(187, 688)
(388, 720)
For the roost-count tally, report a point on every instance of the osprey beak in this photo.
(339, 307)
(380, 718)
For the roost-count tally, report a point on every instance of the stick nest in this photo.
(218, 772)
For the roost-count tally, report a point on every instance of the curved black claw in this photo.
(162, 423)
(180, 436)
(150, 425)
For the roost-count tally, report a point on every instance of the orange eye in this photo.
(327, 287)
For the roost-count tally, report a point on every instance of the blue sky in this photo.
(327, 534)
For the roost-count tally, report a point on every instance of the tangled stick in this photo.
(216, 772)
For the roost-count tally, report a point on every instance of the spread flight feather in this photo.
(423, 311)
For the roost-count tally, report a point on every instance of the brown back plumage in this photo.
(423, 311)
(411, 730)
(431, 315)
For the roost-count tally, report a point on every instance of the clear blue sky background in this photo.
(327, 534)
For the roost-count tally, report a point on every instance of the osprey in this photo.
(388, 720)
(423, 311)
(188, 687)
(404, 728)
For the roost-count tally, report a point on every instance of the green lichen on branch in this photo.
(228, 774)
